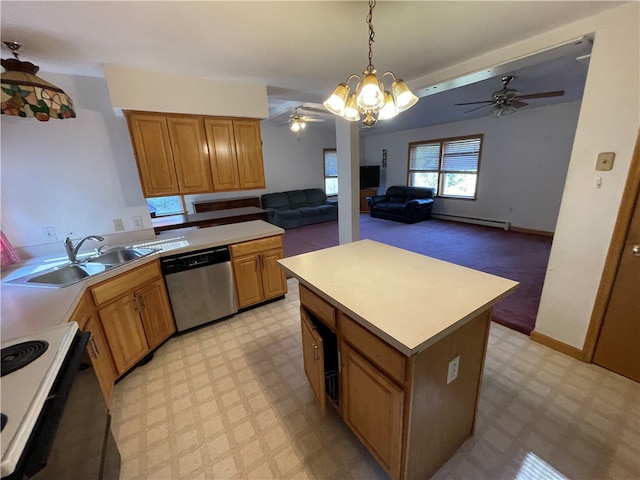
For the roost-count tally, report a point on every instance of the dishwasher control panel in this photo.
(197, 259)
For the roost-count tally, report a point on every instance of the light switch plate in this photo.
(605, 161)
(118, 225)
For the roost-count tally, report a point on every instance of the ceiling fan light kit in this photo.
(24, 94)
(370, 97)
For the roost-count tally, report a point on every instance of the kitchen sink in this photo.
(120, 255)
(70, 273)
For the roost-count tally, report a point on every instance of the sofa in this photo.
(296, 208)
(402, 204)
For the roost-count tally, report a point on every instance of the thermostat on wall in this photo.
(605, 161)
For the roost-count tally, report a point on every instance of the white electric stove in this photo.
(30, 365)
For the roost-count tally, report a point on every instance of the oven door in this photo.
(72, 438)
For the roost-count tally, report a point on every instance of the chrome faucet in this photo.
(72, 252)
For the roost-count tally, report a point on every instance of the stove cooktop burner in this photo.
(19, 355)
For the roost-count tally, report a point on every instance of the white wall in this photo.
(523, 166)
(609, 121)
(132, 89)
(77, 175)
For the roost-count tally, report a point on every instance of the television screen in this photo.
(369, 176)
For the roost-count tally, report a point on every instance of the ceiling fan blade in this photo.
(311, 120)
(557, 93)
(313, 109)
(518, 104)
(472, 103)
(477, 108)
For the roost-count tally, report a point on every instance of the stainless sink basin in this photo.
(120, 255)
(63, 276)
(68, 274)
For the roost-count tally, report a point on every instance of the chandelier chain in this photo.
(372, 4)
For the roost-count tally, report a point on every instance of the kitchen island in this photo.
(395, 342)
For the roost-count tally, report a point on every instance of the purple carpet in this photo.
(517, 256)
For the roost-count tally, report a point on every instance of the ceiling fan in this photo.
(506, 100)
(298, 122)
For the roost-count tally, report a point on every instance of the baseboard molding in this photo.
(531, 231)
(557, 345)
(475, 221)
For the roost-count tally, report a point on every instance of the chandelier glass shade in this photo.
(24, 94)
(370, 98)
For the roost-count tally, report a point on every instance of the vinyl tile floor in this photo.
(230, 400)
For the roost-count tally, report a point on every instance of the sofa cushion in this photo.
(297, 198)
(275, 200)
(289, 214)
(315, 196)
(420, 192)
(327, 209)
(309, 211)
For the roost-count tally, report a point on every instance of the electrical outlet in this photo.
(49, 233)
(137, 222)
(118, 225)
(452, 372)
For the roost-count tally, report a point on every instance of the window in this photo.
(449, 165)
(330, 171)
(159, 206)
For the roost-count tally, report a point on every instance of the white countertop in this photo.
(26, 309)
(409, 300)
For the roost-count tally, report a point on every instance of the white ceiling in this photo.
(302, 49)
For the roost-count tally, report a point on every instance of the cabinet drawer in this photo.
(321, 309)
(125, 283)
(255, 246)
(378, 351)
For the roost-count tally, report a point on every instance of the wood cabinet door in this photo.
(152, 149)
(124, 332)
(101, 358)
(189, 148)
(222, 154)
(274, 281)
(249, 153)
(155, 311)
(372, 406)
(248, 280)
(313, 357)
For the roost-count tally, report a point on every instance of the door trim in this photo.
(612, 261)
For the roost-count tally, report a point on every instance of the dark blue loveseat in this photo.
(402, 204)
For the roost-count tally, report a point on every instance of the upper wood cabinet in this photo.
(190, 157)
(152, 147)
(249, 153)
(222, 153)
(187, 154)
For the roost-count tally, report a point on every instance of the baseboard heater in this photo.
(476, 221)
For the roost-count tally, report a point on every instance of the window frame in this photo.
(324, 170)
(182, 202)
(442, 172)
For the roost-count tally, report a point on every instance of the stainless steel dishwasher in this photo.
(200, 286)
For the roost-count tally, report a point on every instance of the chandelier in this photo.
(370, 98)
(24, 94)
